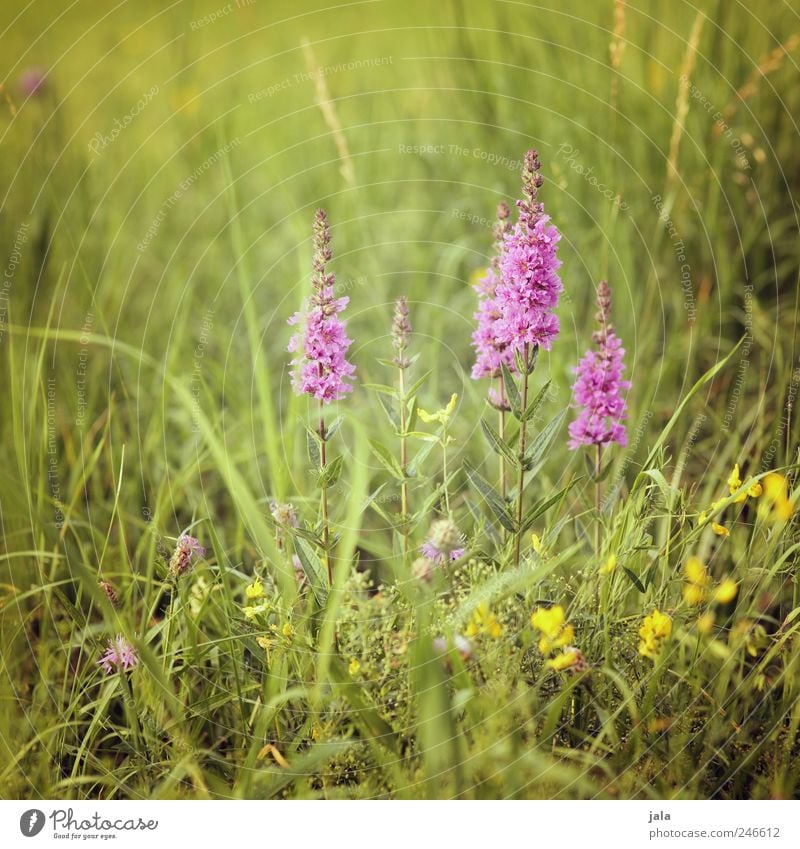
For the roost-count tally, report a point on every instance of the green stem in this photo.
(324, 493)
(502, 432)
(403, 462)
(523, 429)
(597, 466)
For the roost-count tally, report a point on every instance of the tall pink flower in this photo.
(599, 389)
(119, 656)
(491, 351)
(529, 285)
(321, 368)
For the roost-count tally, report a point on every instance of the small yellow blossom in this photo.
(720, 530)
(440, 416)
(610, 565)
(656, 628)
(556, 631)
(265, 643)
(705, 623)
(353, 667)
(536, 543)
(255, 590)
(696, 572)
(566, 660)
(694, 591)
(734, 487)
(776, 498)
(287, 630)
(483, 622)
(253, 610)
(726, 591)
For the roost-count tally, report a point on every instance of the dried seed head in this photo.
(284, 514)
(185, 550)
(401, 330)
(444, 536)
(110, 592)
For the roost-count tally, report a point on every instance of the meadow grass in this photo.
(147, 395)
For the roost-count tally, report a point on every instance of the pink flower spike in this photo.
(120, 656)
(529, 286)
(598, 391)
(321, 368)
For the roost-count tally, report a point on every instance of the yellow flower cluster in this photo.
(555, 630)
(442, 416)
(483, 621)
(557, 633)
(777, 503)
(655, 630)
(696, 587)
(734, 488)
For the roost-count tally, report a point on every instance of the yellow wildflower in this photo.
(776, 498)
(536, 543)
(483, 622)
(441, 416)
(556, 631)
(287, 630)
(735, 483)
(255, 590)
(655, 629)
(696, 572)
(752, 636)
(720, 530)
(726, 591)
(610, 565)
(265, 643)
(694, 591)
(353, 667)
(568, 659)
(705, 623)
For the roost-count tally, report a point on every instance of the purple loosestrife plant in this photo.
(401, 331)
(599, 394)
(321, 368)
(526, 296)
(492, 350)
(598, 391)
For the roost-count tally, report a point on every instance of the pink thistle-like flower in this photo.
(529, 285)
(444, 541)
(321, 369)
(32, 81)
(185, 550)
(119, 656)
(491, 349)
(599, 387)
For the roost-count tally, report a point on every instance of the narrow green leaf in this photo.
(330, 474)
(390, 411)
(512, 393)
(544, 505)
(498, 444)
(386, 458)
(312, 446)
(314, 570)
(634, 580)
(534, 405)
(534, 456)
(331, 429)
(493, 498)
(415, 386)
